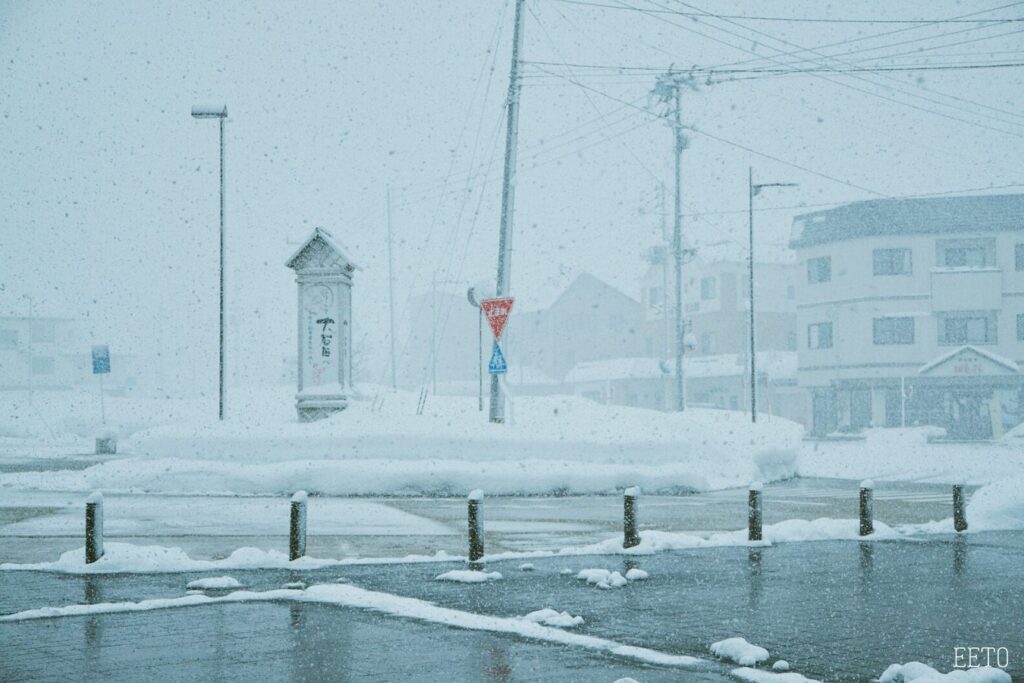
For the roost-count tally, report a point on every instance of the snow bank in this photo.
(635, 574)
(381, 446)
(975, 464)
(152, 559)
(791, 530)
(922, 673)
(468, 576)
(740, 651)
(550, 617)
(997, 506)
(757, 676)
(602, 578)
(214, 582)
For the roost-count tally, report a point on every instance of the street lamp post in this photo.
(221, 114)
(752, 191)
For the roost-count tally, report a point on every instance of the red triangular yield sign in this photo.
(497, 311)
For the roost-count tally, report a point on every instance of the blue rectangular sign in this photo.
(100, 360)
(497, 366)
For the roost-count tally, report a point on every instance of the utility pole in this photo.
(752, 191)
(669, 91)
(391, 291)
(508, 191)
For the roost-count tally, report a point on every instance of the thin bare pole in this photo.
(391, 292)
(750, 273)
(220, 408)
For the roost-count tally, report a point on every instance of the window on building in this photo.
(42, 365)
(1020, 327)
(43, 332)
(1018, 256)
(966, 253)
(707, 342)
(708, 288)
(791, 341)
(819, 269)
(8, 339)
(819, 336)
(892, 262)
(894, 330)
(967, 328)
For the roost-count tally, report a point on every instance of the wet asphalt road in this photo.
(837, 611)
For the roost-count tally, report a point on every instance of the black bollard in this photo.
(754, 512)
(867, 513)
(476, 528)
(959, 515)
(631, 538)
(297, 528)
(93, 527)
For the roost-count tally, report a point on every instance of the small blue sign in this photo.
(497, 366)
(100, 360)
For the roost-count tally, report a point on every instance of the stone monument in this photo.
(323, 272)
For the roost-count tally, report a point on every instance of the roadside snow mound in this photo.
(550, 617)
(740, 651)
(757, 676)
(380, 445)
(916, 672)
(997, 506)
(468, 576)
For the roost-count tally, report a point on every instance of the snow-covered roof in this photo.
(932, 215)
(328, 239)
(618, 368)
(968, 349)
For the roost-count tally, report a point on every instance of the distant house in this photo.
(37, 353)
(911, 311)
(590, 320)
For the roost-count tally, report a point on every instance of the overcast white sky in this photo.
(109, 187)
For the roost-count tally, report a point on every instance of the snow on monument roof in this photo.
(327, 238)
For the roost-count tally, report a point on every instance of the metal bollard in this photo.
(867, 505)
(93, 527)
(629, 514)
(297, 528)
(754, 512)
(959, 515)
(476, 528)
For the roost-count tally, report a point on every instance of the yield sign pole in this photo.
(508, 189)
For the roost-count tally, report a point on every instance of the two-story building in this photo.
(911, 311)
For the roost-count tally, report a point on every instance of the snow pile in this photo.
(526, 567)
(917, 672)
(468, 576)
(550, 617)
(757, 676)
(214, 583)
(781, 665)
(606, 578)
(740, 651)
(997, 506)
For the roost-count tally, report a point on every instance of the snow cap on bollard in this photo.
(868, 484)
(300, 497)
(94, 497)
(476, 494)
(632, 492)
(756, 486)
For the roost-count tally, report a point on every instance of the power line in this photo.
(821, 20)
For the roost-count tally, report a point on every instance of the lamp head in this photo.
(202, 111)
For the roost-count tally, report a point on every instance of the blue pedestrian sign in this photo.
(100, 360)
(497, 366)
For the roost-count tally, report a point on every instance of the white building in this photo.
(912, 311)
